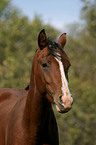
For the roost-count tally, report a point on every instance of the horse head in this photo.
(51, 71)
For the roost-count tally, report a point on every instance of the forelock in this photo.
(52, 46)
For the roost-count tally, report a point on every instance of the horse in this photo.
(26, 116)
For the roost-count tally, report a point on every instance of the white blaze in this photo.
(65, 89)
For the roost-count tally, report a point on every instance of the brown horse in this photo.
(26, 117)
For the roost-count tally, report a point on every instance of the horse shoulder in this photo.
(16, 131)
(10, 110)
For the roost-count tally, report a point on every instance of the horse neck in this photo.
(37, 109)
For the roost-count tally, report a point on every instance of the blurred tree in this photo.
(18, 41)
(3, 7)
(89, 15)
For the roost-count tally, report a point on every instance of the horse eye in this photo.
(44, 65)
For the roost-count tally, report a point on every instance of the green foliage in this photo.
(89, 15)
(3, 5)
(18, 43)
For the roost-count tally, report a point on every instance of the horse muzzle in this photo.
(64, 104)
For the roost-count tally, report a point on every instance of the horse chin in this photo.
(61, 109)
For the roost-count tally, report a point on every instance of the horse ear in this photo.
(62, 40)
(42, 39)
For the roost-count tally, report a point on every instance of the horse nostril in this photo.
(60, 99)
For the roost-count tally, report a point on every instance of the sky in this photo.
(58, 13)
